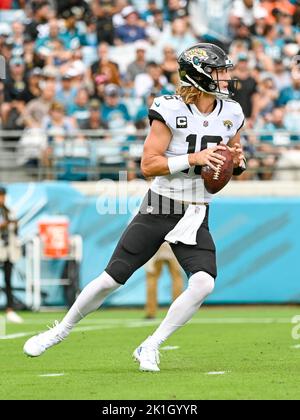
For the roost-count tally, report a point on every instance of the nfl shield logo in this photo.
(205, 124)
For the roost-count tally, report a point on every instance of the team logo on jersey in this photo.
(181, 122)
(228, 124)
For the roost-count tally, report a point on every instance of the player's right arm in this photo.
(155, 163)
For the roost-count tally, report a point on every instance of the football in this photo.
(215, 181)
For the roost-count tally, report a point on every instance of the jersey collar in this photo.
(215, 113)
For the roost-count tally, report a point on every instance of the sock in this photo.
(183, 308)
(89, 300)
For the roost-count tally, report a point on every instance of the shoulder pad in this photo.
(236, 107)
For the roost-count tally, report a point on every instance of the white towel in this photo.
(186, 229)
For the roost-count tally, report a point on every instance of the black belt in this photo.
(154, 203)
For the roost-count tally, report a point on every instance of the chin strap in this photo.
(218, 94)
(240, 169)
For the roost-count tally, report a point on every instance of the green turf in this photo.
(259, 358)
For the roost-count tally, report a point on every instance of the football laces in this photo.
(217, 173)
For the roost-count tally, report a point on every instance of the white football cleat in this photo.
(14, 318)
(38, 344)
(148, 357)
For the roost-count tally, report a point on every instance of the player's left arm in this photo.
(239, 159)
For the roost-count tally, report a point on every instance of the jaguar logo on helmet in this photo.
(197, 56)
(200, 65)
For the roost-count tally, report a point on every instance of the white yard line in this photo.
(95, 325)
(169, 348)
(138, 322)
(217, 373)
(51, 375)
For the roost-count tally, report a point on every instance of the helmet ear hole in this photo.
(212, 86)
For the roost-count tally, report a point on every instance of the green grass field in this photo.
(253, 347)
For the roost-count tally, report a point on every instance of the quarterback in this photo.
(187, 131)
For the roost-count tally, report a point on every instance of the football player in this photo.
(187, 132)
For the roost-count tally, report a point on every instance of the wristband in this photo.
(240, 169)
(178, 163)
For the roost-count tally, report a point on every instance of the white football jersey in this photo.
(192, 132)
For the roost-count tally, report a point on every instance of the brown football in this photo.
(215, 181)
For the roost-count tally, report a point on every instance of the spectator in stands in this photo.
(281, 76)
(104, 12)
(37, 109)
(139, 65)
(273, 44)
(17, 37)
(66, 92)
(95, 121)
(115, 115)
(31, 59)
(16, 82)
(261, 21)
(275, 121)
(291, 119)
(152, 80)
(242, 33)
(57, 125)
(80, 110)
(73, 31)
(16, 88)
(274, 7)
(103, 57)
(50, 73)
(34, 80)
(157, 27)
(13, 119)
(58, 55)
(246, 86)
(169, 63)
(264, 99)
(104, 71)
(260, 60)
(147, 12)
(46, 44)
(285, 28)
(291, 93)
(179, 37)
(81, 7)
(132, 30)
(176, 9)
(6, 52)
(40, 16)
(243, 11)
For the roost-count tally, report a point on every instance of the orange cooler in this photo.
(54, 233)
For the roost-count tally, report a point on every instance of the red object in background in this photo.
(6, 4)
(54, 233)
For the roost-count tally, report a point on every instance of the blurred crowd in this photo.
(98, 64)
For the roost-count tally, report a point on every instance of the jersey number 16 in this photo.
(192, 141)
